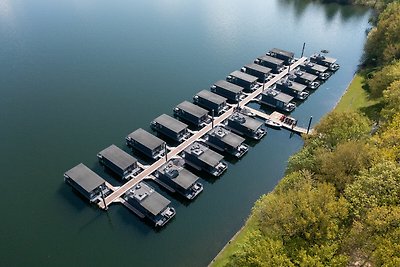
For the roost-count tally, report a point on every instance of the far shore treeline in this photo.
(339, 203)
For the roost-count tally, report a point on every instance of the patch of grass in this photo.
(222, 259)
(356, 99)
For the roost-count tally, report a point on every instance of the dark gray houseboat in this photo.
(226, 141)
(297, 90)
(170, 127)
(120, 162)
(315, 69)
(148, 202)
(325, 61)
(277, 99)
(232, 92)
(305, 78)
(244, 125)
(211, 101)
(262, 73)
(247, 81)
(192, 113)
(275, 64)
(286, 56)
(145, 142)
(183, 181)
(203, 158)
(87, 183)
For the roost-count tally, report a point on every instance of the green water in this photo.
(79, 75)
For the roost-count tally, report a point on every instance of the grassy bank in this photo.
(355, 98)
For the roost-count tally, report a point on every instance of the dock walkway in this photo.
(116, 195)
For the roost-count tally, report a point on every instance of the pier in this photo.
(115, 196)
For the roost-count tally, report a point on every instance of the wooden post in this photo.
(309, 125)
(102, 196)
(212, 119)
(165, 151)
(302, 51)
(265, 76)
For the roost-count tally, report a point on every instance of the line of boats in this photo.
(205, 154)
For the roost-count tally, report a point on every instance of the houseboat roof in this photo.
(279, 95)
(304, 75)
(212, 97)
(257, 67)
(292, 85)
(227, 136)
(204, 153)
(271, 59)
(192, 109)
(229, 86)
(118, 157)
(315, 66)
(179, 175)
(145, 138)
(85, 177)
(171, 123)
(324, 58)
(148, 198)
(244, 76)
(282, 52)
(246, 121)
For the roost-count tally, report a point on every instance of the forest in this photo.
(339, 203)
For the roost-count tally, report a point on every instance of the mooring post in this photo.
(165, 151)
(102, 196)
(302, 51)
(265, 77)
(212, 121)
(309, 125)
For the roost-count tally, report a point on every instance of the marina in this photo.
(225, 131)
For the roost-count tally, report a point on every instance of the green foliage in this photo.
(376, 187)
(306, 158)
(383, 79)
(383, 44)
(388, 140)
(391, 98)
(339, 127)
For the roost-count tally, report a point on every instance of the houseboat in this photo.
(146, 143)
(211, 101)
(119, 162)
(225, 141)
(275, 64)
(170, 127)
(262, 73)
(277, 99)
(200, 157)
(149, 203)
(315, 69)
(247, 81)
(232, 92)
(325, 61)
(286, 56)
(297, 90)
(305, 78)
(184, 182)
(87, 183)
(244, 125)
(192, 113)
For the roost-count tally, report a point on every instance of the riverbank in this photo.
(354, 98)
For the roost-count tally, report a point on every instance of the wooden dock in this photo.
(276, 117)
(145, 174)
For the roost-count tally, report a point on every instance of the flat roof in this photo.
(315, 66)
(324, 58)
(145, 138)
(229, 86)
(304, 75)
(204, 153)
(271, 59)
(212, 97)
(85, 177)
(257, 67)
(282, 52)
(279, 95)
(192, 109)
(227, 136)
(171, 123)
(148, 198)
(179, 175)
(246, 121)
(118, 157)
(244, 76)
(293, 85)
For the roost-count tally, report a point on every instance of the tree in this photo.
(388, 140)
(383, 79)
(391, 100)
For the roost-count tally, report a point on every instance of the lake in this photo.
(79, 75)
